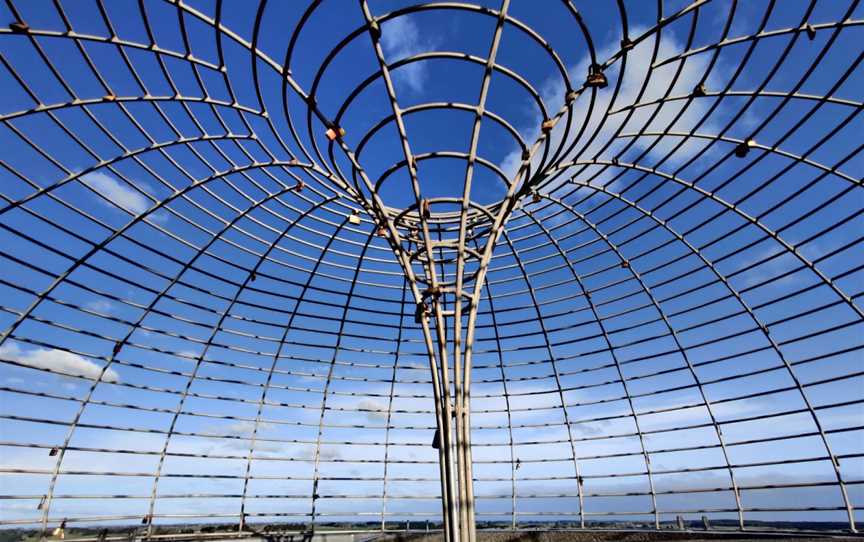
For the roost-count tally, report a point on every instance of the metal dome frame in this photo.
(436, 256)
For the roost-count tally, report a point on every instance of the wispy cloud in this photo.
(100, 305)
(118, 193)
(245, 427)
(378, 410)
(776, 262)
(400, 38)
(58, 361)
(659, 81)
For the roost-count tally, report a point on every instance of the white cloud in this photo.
(263, 446)
(245, 427)
(99, 305)
(380, 409)
(328, 453)
(58, 361)
(120, 194)
(783, 262)
(638, 63)
(400, 38)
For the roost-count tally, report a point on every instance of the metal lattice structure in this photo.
(240, 284)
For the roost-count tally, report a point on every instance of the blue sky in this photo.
(178, 277)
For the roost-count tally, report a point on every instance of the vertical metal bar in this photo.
(463, 372)
(336, 348)
(278, 351)
(514, 465)
(441, 326)
(393, 380)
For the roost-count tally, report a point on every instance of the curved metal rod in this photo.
(672, 332)
(763, 328)
(104, 369)
(738, 211)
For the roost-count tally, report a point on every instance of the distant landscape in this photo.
(624, 529)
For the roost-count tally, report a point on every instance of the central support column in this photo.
(442, 281)
(435, 308)
(446, 272)
(447, 291)
(455, 449)
(445, 257)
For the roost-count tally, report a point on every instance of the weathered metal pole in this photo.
(461, 354)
